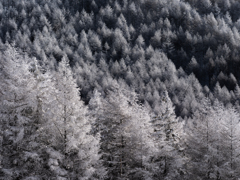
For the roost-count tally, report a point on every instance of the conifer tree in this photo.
(73, 151)
(125, 134)
(168, 134)
(18, 110)
(213, 142)
(199, 142)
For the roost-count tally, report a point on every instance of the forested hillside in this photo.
(119, 89)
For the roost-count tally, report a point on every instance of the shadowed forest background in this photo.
(119, 89)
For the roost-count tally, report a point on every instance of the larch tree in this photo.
(73, 151)
(213, 142)
(96, 112)
(125, 131)
(18, 109)
(168, 134)
(229, 147)
(199, 142)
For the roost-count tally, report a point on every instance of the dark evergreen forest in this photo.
(119, 89)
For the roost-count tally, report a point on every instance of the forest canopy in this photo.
(83, 82)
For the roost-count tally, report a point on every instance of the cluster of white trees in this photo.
(45, 127)
(122, 54)
(106, 39)
(48, 132)
(213, 143)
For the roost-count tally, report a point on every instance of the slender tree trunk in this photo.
(122, 146)
(121, 156)
(65, 118)
(141, 150)
(65, 132)
(165, 166)
(231, 136)
(208, 161)
(218, 174)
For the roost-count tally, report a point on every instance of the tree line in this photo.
(106, 40)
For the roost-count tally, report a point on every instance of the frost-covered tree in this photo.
(199, 142)
(168, 134)
(213, 143)
(44, 125)
(18, 122)
(230, 149)
(72, 150)
(125, 131)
